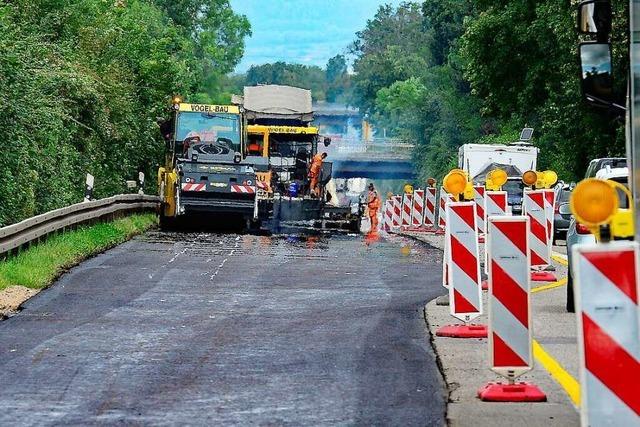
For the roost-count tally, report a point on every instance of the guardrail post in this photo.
(88, 189)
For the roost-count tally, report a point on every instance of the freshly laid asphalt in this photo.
(219, 329)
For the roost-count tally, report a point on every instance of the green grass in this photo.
(38, 266)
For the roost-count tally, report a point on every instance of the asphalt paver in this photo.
(220, 329)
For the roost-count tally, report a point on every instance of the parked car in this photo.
(562, 213)
(579, 233)
(514, 188)
(597, 165)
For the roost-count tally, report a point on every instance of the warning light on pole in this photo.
(431, 182)
(496, 179)
(455, 182)
(546, 179)
(529, 178)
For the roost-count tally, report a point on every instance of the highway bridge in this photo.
(382, 158)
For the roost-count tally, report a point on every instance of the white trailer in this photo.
(478, 159)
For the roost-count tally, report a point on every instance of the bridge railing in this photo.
(375, 148)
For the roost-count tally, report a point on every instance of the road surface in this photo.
(218, 329)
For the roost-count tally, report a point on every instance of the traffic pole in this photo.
(417, 210)
(510, 336)
(387, 219)
(533, 204)
(88, 187)
(443, 200)
(606, 290)
(478, 197)
(463, 271)
(430, 208)
(407, 204)
(397, 212)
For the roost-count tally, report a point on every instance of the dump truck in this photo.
(281, 143)
(205, 170)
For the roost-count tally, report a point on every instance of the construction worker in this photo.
(314, 172)
(373, 203)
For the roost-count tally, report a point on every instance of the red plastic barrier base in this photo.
(485, 285)
(543, 276)
(439, 231)
(463, 331)
(519, 392)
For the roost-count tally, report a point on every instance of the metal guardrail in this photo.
(16, 235)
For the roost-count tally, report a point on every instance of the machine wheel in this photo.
(167, 223)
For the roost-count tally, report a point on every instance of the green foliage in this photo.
(520, 58)
(38, 266)
(82, 83)
(460, 71)
(298, 75)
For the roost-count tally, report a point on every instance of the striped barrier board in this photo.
(510, 337)
(444, 199)
(194, 187)
(387, 215)
(549, 208)
(533, 205)
(417, 211)
(607, 289)
(478, 197)
(465, 295)
(431, 202)
(245, 189)
(495, 204)
(407, 205)
(397, 212)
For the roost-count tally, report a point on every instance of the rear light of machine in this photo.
(582, 229)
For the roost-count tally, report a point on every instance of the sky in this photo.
(302, 31)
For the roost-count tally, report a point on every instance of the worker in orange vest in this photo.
(373, 203)
(314, 172)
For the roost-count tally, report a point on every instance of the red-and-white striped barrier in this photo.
(607, 289)
(194, 186)
(444, 199)
(549, 207)
(244, 189)
(387, 215)
(478, 197)
(465, 296)
(510, 340)
(417, 211)
(431, 202)
(407, 205)
(533, 205)
(396, 219)
(495, 204)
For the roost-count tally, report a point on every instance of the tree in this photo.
(337, 78)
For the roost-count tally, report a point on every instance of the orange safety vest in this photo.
(374, 200)
(316, 166)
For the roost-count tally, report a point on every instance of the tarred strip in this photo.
(464, 259)
(618, 267)
(503, 355)
(510, 294)
(516, 232)
(465, 213)
(611, 363)
(462, 305)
